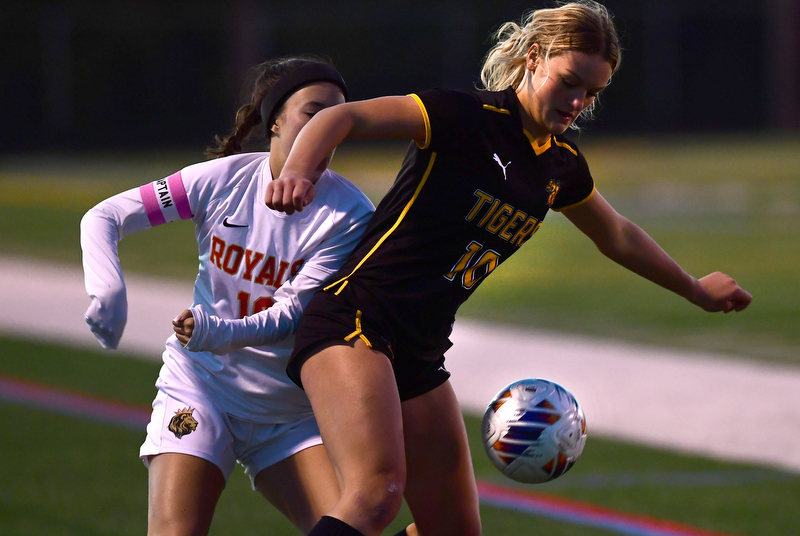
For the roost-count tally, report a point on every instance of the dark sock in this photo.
(330, 526)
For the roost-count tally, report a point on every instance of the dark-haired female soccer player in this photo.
(223, 394)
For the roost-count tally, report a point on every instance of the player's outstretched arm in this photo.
(381, 118)
(624, 242)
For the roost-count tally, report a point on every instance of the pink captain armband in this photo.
(165, 200)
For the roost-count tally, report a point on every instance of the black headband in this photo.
(302, 76)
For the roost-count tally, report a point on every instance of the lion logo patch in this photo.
(183, 423)
(552, 189)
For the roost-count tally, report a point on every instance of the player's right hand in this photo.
(289, 194)
(183, 326)
(720, 292)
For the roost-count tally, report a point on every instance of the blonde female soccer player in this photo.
(224, 396)
(486, 168)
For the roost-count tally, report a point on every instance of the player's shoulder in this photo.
(226, 166)
(500, 110)
(221, 175)
(468, 111)
(335, 190)
(566, 146)
(565, 153)
(459, 100)
(502, 103)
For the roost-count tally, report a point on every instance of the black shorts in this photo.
(329, 320)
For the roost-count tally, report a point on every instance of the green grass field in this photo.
(63, 475)
(730, 204)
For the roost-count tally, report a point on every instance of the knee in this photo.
(379, 500)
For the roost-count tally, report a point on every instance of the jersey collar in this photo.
(538, 149)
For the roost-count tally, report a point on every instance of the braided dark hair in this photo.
(264, 76)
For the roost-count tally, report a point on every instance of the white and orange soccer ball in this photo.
(534, 430)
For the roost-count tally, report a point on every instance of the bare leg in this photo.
(354, 396)
(183, 493)
(303, 487)
(441, 490)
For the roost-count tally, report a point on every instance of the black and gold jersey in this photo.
(465, 200)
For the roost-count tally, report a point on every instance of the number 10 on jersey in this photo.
(475, 264)
(261, 304)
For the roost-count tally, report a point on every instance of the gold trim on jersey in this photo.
(496, 109)
(358, 333)
(427, 122)
(582, 201)
(565, 146)
(538, 149)
(391, 230)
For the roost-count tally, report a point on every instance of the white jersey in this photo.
(258, 269)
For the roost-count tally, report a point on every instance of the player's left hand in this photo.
(107, 321)
(183, 326)
(720, 292)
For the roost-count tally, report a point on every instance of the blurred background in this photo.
(697, 140)
(149, 74)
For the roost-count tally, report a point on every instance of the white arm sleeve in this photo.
(221, 335)
(101, 230)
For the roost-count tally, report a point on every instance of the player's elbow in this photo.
(98, 215)
(87, 219)
(617, 241)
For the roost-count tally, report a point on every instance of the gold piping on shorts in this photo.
(340, 288)
(358, 332)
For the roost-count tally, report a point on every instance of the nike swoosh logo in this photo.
(226, 224)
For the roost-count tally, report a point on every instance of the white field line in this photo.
(730, 409)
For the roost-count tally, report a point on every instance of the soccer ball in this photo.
(534, 430)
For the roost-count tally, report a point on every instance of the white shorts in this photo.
(185, 420)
